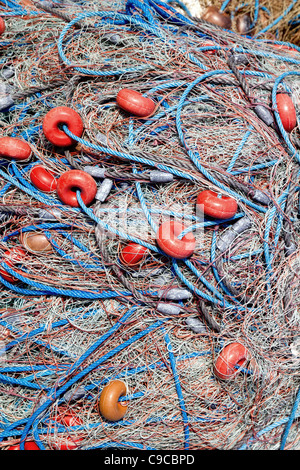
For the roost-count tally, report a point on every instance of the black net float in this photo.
(243, 24)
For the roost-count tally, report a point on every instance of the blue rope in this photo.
(290, 421)
(178, 389)
(239, 149)
(277, 20)
(145, 16)
(267, 429)
(58, 392)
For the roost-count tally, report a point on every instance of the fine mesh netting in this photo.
(77, 317)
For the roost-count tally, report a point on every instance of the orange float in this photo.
(210, 204)
(286, 111)
(109, 406)
(67, 443)
(76, 180)
(2, 25)
(29, 445)
(35, 242)
(43, 179)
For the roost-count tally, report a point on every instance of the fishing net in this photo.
(207, 344)
(261, 19)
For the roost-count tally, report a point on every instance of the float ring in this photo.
(232, 356)
(210, 204)
(76, 180)
(54, 121)
(109, 406)
(166, 238)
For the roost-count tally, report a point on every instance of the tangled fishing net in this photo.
(259, 18)
(205, 343)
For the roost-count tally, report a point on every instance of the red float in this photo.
(168, 242)
(70, 420)
(209, 43)
(73, 180)
(233, 355)
(2, 25)
(284, 47)
(29, 445)
(132, 254)
(43, 179)
(286, 111)
(67, 443)
(210, 204)
(55, 119)
(11, 257)
(16, 149)
(135, 103)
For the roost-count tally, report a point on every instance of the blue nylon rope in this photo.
(277, 20)
(290, 421)
(57, 392)
(144, 18)
(178, 389)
